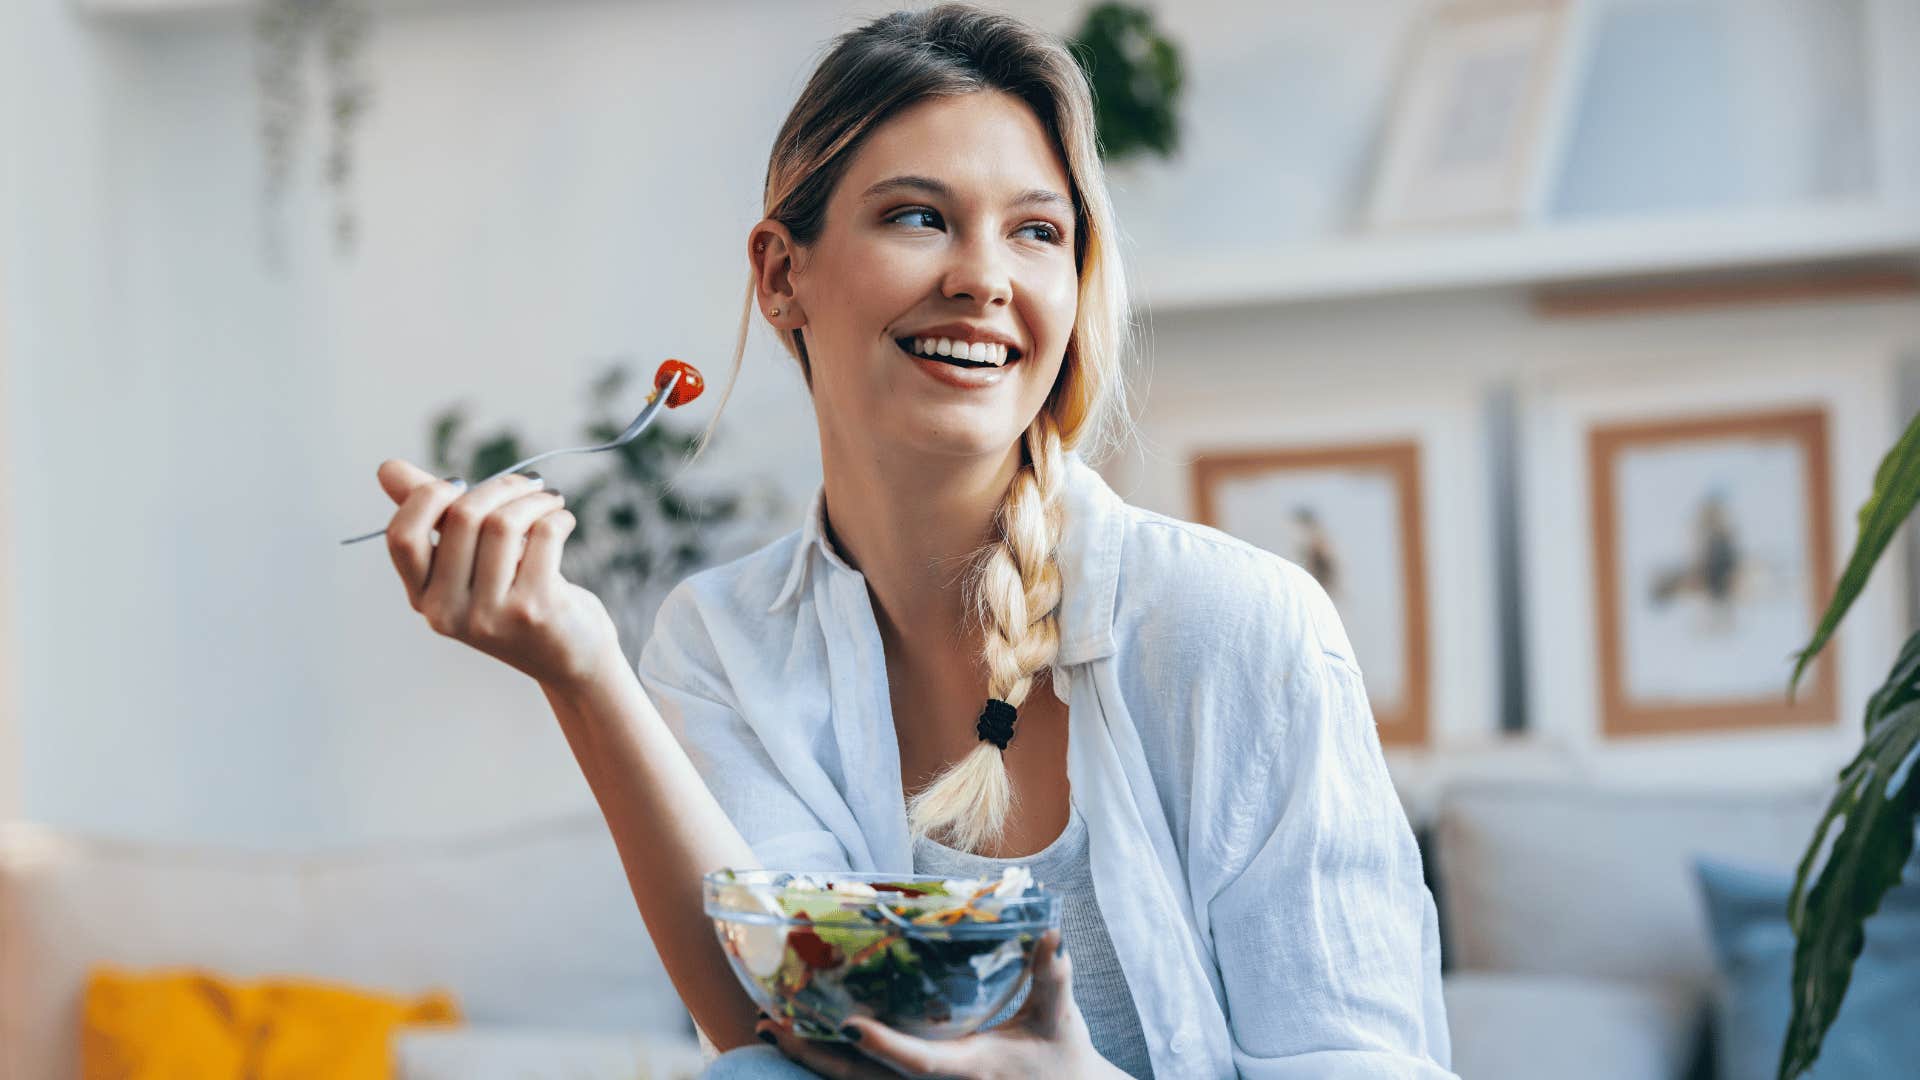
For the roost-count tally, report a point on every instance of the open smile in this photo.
(959, 354)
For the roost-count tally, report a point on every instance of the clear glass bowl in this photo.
(819, 949)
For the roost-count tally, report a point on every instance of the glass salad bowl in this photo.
(933, 957)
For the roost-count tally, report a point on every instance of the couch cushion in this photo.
(1875, 1030)
(1588, 880)
(540, 1053)
(1524, 1027)
(531, 925)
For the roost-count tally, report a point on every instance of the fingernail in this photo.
(1060, 947)
(767, 1037)
(458, 484)
(850, 1033)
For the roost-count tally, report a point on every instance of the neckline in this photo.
(1052, 850)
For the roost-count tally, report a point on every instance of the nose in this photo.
(978, 273)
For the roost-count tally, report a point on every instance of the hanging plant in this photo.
(1136, 74)
(282, 31)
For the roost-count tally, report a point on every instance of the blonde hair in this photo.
(870, 74)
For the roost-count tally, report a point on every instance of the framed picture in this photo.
(1469, 138)
(1712, 560)
(1651, 466)
(1351, 516)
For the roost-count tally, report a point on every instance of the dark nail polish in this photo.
(531, 475)
(1059, 948)
(850, 1033)
(767, 1037)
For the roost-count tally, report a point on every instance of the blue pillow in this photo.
(1877, 1033)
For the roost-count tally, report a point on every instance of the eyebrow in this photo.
(1031, 196)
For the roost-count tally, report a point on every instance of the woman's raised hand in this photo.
(493, 580)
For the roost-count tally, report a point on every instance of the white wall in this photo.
(539, 185)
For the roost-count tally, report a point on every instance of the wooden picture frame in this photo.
(1384, 478)
(1718, 566)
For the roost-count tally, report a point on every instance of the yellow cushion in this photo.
(172, 1025)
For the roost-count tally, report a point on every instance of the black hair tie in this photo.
(996, 722)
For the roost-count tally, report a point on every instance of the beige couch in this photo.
(533, 930)
(1576, 937)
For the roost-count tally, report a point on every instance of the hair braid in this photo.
(1016, 591)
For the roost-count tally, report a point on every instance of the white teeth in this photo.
(979, 352)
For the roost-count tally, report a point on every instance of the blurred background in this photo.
(1561, 341)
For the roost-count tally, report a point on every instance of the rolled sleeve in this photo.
(1327, 938)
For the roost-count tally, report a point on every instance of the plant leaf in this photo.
(446, 428)
(1896, 488)
(1870, 852)
(495, 454)
(1901, 687)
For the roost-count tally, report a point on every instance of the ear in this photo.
(771, 252)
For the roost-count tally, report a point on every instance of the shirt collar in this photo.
(1089, 558)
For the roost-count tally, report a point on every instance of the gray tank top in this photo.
(1099, 986)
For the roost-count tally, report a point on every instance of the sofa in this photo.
(532, 929)
(1575, 940)
(1575, 931)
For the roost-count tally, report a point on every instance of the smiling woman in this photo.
(972, 654)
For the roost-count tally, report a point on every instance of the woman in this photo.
(973, 650)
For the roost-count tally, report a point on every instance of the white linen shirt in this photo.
(1256, 871)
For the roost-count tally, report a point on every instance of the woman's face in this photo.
(953, 220)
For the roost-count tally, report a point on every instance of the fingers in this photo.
(399, 478)
(449, 585)
(913, 1056)
(410, 534)
(1051, 992)
(545, 543)
(827, 1059)
(503, 538)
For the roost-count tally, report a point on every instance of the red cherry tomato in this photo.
(689, 386)
(813, 950)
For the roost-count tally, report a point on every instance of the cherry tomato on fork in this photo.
(689, 386)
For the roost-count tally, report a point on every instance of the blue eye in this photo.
(910, 211)
(1052, 234)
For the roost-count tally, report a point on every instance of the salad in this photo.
(934, 957)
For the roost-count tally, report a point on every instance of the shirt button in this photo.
(1179, 1044)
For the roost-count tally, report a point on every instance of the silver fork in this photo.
(633, 431)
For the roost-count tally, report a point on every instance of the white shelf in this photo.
(157, 7)
(1437, 261)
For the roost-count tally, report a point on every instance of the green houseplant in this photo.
(1136, 74)
(638, 532)
(1870, 820)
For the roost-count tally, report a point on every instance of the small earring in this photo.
(775, 311)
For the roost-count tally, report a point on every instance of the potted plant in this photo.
(1876, 806)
